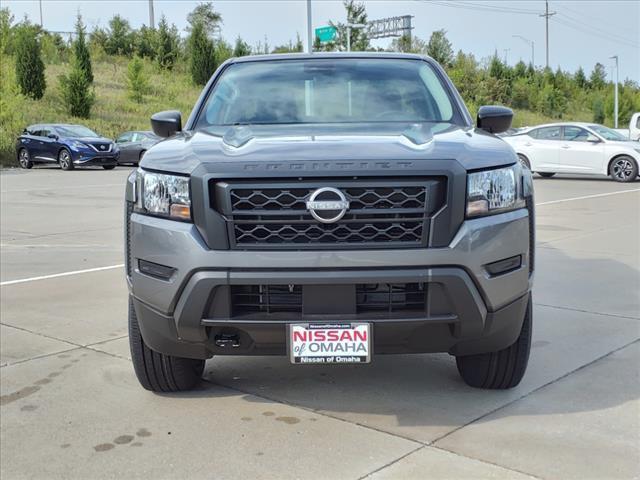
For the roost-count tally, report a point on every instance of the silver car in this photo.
(133, 146)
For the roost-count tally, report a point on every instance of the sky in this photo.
(580, 34)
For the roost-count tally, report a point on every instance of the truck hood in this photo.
(392, 142)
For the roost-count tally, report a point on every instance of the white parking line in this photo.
(587, 196)
(57, 275)
(69, 187)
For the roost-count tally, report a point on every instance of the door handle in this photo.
(566, 147)
(528, 144)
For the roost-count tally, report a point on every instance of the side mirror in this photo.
(165, 124)
(593, 139)
(494, 119)
(52, 136)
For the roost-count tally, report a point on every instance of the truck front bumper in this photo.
(467, 310)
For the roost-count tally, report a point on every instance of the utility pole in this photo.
(546, 16)
(152, 22)
(41, 24)
(615, 108)
(506, 51)
(309, 28)
(530, 42)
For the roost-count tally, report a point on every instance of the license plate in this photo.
(330, 343)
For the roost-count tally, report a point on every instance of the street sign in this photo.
(326, 34)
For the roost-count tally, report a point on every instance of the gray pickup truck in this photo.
(330, 208)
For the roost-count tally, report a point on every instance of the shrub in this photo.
(203, 61)
(81, 51)
(137, 80)
(119, 38)
(76, 91)
(29, 65)
(168, 46)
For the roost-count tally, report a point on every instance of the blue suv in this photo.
(68, 145)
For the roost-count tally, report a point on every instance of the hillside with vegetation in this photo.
(113, 79)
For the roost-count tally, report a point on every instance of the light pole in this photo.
(547, 14)
(349, 27)
(152, 22)
(309, 29)
(615, 114)
(530, 42)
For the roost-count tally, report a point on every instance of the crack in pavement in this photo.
(559, 307)
(551, 382)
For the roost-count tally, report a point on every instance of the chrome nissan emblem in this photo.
(102, 147)
(327, 205)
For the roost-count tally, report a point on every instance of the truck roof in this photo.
(330, 55)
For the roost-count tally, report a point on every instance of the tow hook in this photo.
(225, 341)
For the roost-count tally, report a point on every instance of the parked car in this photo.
(69, 146)
(259, 228)
(634, 127)
(133, 145)
(577, 148)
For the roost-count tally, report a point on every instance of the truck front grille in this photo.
(381, 214)
(374, 298)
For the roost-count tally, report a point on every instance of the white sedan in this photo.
(577, 148)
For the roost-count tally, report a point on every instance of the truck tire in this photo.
(158, 372)
(502, 369)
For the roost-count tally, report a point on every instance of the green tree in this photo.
(6, 32)
(408, 44)
(580, 78)
(359, 40)
(223, 51)
(202, 61)
(77, 95)
(98, 38)
(168, 44)
(81, 51)
(496, 67)
(291, 47)
(241, 48)
(119, 39)
(598, 77)
(146, 41)
(207, 16)
(137, 80)
(520, 70)
(439, 48)
(598, 109)
(29, 65)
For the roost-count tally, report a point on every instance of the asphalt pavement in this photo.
(70, 406)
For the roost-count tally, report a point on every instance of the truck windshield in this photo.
(327, 91)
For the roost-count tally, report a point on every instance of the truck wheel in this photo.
(623, 169)
(546, 174)
(158, 372)
(502, 369)
(108, 167)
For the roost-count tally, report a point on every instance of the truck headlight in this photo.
(494, 191)
(163, 195)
